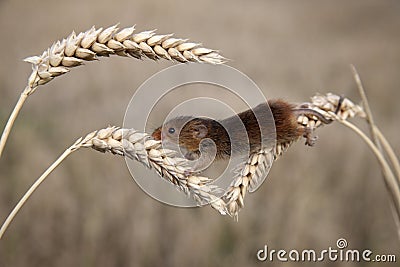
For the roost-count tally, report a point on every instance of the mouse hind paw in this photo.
(310, 138)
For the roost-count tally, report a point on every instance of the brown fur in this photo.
(191, 130)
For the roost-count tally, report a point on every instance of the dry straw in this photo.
(94, 43)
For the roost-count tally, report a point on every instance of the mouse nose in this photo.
(156, 134)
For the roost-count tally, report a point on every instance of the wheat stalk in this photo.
(390, 177)
(94, 43)
(377, 135)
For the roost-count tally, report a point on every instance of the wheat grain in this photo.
(94, 43)
(141, 147)
(247, 179)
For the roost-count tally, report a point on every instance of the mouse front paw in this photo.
(191, 155)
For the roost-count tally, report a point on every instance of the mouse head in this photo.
(185, 131)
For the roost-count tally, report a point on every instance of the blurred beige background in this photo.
(90, 212)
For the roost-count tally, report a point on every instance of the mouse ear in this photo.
(200, 131)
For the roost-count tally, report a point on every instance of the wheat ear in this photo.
(330, 107)
(94, 43)
(141, 147)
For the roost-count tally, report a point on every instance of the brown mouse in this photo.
(244, 130)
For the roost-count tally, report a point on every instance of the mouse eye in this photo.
(171, 130)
